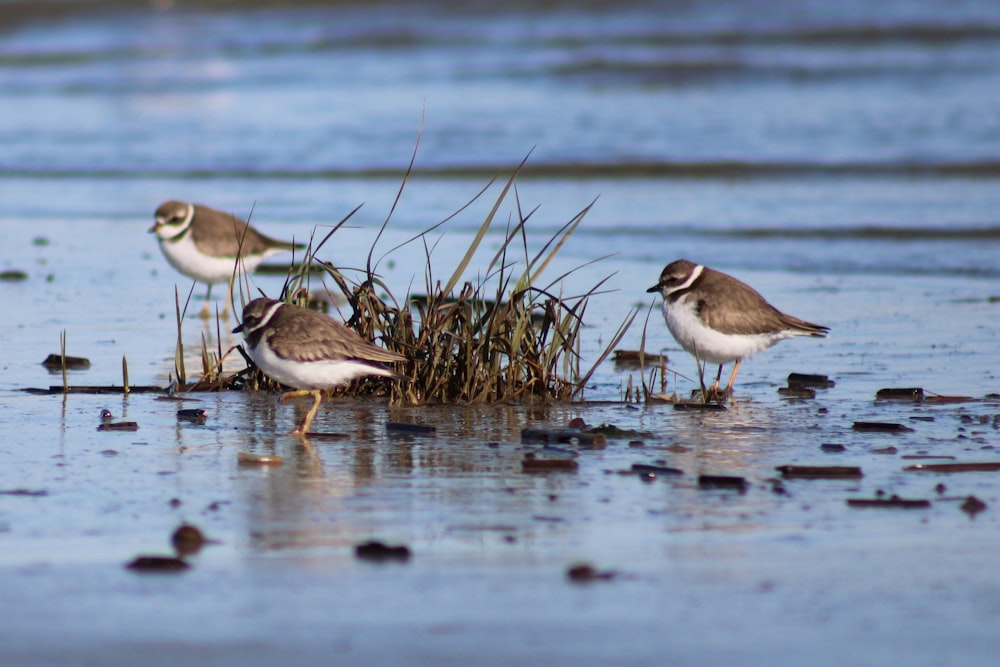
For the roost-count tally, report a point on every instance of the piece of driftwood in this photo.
(810, 380)
(106, 389)
(723, 482)
(531, 464)
(819, 472)
(881, 427)
(978, 466)
(55, 362)
(890, 503)
(407, 427)
(564, 435)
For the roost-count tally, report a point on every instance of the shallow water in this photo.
(778, 573)
(843, 158)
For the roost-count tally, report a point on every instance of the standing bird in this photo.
(211, 246)
(719, 319)
(309, 351)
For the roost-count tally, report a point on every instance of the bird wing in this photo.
(312, 336)
(232, 235)
(742, 310)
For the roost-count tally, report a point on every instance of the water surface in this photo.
(843, 158)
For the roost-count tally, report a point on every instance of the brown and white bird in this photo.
(204, 244)
(720, 319)
(308, 351)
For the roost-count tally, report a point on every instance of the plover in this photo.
(720, 319)
(308, 351)
(204, 244)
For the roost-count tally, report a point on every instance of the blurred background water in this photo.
(833, 140)
(843, 157)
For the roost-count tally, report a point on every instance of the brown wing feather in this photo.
(223, 240)
(740, 309)
(312, 336)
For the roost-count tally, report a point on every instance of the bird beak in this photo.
(654, 288)
(238, 329)
(155, 226)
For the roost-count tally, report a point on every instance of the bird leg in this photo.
(732, 378)
(713, 392)
(303, 427)
(720, 396)
(205, 312)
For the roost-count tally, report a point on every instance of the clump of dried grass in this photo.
(508, 336)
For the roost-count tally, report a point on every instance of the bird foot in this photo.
(297, 393)
(717, 395)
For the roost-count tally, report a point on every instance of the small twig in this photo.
(62, 359)
(217, 368)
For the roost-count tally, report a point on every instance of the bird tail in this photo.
(803, 328)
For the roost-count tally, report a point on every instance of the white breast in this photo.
(708, 344)
(310, 374)
(184, 256)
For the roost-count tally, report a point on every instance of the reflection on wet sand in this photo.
(333, 492)
(465, 481)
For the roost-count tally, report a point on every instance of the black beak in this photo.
(238, 329)
(654, 288)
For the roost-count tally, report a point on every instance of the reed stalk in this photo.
(62, 360)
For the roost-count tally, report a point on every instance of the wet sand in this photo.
(698, 575)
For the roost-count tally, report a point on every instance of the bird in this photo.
(720, 319)
(210, 246)
(308, 351)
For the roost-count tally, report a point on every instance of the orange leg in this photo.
(720, 395)
(303, 427)
(206, 311)
(732, 378)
